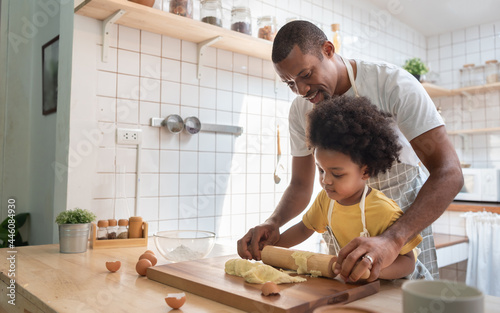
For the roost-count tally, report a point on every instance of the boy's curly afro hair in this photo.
(355, 127)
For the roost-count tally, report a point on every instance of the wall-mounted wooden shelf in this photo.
(164, 23)
(474, 131)
(436, 91)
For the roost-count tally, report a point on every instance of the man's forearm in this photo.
(295, 199)
(434, 197)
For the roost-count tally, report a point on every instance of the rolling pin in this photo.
(282, 257)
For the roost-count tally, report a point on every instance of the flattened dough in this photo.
(258, 273)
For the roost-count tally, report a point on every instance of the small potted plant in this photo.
(74, 229)
(415, 67)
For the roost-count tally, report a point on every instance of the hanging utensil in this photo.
(277, 178)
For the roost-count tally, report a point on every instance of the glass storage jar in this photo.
(112, 228)
(491, 71)
(211, 12)
(102, 230)
(182, 7)
(122, 229)
(241, 20)
(466, 75)
(267, 27)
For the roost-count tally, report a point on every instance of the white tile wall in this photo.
(216, 181)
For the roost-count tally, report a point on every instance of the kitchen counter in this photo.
(466, 206)
(48, 281)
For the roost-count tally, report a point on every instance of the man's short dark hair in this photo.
(306, 35)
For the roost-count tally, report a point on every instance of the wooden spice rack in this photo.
(119, 243)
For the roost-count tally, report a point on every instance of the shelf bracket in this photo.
(201, 49)
(106, 24)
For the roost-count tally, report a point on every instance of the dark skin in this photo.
(316, 79)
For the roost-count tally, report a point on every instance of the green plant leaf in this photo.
(75, 216)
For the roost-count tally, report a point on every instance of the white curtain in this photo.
(483, 268)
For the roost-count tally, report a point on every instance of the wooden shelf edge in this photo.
(474, 131)
(164, 23)
(435, 91)
(474, 207)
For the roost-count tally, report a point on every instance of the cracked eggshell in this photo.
(270, 288)
(113, 266)
(175, 300)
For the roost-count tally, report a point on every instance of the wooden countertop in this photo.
(466, 206)
(48, 281)
(445, 240)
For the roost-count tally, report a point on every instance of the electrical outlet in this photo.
(127, 136)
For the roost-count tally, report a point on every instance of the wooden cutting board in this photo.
(206, 278)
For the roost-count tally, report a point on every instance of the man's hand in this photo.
(250, 246)
(382, 250)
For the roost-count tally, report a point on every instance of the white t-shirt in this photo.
(392, 90)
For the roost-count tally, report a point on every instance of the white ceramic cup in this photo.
(441, 296)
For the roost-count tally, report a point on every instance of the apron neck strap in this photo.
(350, 73)
(365, 232)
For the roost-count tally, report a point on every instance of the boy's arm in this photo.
(403, 266)
(294, 235)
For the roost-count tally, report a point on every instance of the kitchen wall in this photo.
(216, 182)
(32, 141)
(446, 55)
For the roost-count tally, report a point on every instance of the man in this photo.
(306, 61)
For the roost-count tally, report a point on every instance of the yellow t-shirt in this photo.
(380, 213)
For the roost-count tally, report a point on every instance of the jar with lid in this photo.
(102, 230)
(267, 27)
(112, 228)
(241, 20)
(135, 227)
(491, 71)
(211, 12)
(182, 7)
(122, 229)
(466, 75)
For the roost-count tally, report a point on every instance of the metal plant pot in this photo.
(73, 238)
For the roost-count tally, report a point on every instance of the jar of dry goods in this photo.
(491, 71)
(211, 12)
(182, 7)
(241, 20)
(267, 27)
(102, 230)
(135, 227)
(122, 229)
(112, 228)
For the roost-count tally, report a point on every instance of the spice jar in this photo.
(491, 71)
(135, 227)
(211, 12)
(112, 228)
(241, 20)
(182, 7)
(122, 229)
(102, 230)
(267, 27)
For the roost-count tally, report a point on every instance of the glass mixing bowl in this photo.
(184, 245)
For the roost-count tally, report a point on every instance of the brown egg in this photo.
(113, 266)
(270, 288)
(175, 300)
(150, 257)
(142, 265)
(149, 251)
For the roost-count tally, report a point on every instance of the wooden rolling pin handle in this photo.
(282, 257)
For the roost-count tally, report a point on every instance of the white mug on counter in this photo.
(441, 296)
